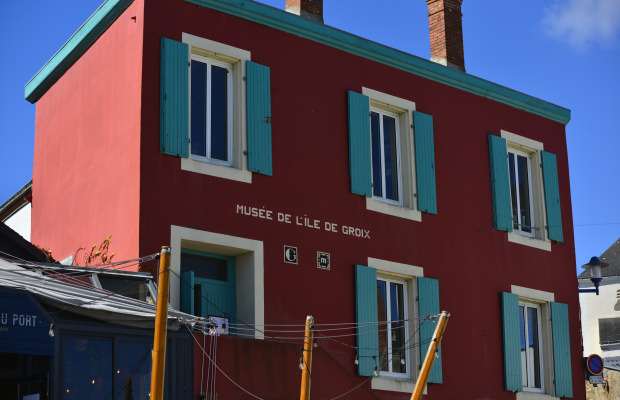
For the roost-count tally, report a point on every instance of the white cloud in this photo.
(581, 22)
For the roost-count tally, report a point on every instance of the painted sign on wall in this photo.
(24, 327)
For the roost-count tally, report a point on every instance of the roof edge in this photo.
(74, 48)
(107, 13)
(333, 37)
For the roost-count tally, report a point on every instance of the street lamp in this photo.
(595, 265)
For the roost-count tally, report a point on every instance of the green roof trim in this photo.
(290, 23)
(75, 47)
(284, 21)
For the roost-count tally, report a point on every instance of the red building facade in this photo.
(299, 170)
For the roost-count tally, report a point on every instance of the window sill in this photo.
(220, 171)
(529, 241)
(535, 396)
(390, 209)
(394, 385)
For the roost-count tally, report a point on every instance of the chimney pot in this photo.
(308, 9)
(445, 21)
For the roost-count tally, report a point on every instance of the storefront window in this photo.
(88, 369)
(133, 374)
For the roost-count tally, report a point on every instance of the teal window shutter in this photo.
(360, 164)
(428, 304)
(258, 104)
(366, 317)
(174, 98)
(425, 162)
(511, 342)
(500, 185)
(187, 292)
(552, 196)
(561, 350)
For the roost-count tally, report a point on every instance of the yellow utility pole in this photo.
(430, 356)
(161, 324)
(307, 360)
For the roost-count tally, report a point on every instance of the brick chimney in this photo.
(308, 9)
(446, 33)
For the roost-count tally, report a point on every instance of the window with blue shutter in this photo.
(366, 317)
(425, 162)
(521, 202)
(428, 304)
(391, 154)
(524, 323)
(174, 98)
(561, 350)
(258, 103)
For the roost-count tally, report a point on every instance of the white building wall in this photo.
(595, 307)
(19, 221)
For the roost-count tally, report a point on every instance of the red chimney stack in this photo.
(446, 33)
(309, 9)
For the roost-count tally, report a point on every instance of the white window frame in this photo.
(229, 106)
(404, 273)
(541, 299)
(407, 206)
(532, 225)
(532, 148)
(525, 363)
(388, 322)
(237, 169)
(249, 269)
(398, 154)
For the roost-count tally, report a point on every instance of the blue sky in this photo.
(566, 52)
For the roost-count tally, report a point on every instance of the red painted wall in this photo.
(98, 171)
(473, 262)
(86, 173)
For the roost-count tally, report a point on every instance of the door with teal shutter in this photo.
(500, 184)
(174, 98)
(360, 164)
(428, 304)
(258, 107)
(563, 379)
(425, 162)
(552, 196)
(208, 284)
(367, 317)
(511, 342)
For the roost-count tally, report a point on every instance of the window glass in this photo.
(133, 373)
(205, 267)
(219, 113)
(392, 326)
(88, 369)
(211, 110)
(385, 149)
(520, 192)
(199, 108)
(531, 369)
(136, 289)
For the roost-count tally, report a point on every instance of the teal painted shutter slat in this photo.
(187, 292)
(366, 317)
(425, 162)
(500, 184)
(511, 342)
(258, 103)
(428, 304)
(561, 350)
(174, 98)
(360, 164)
(552, 196)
